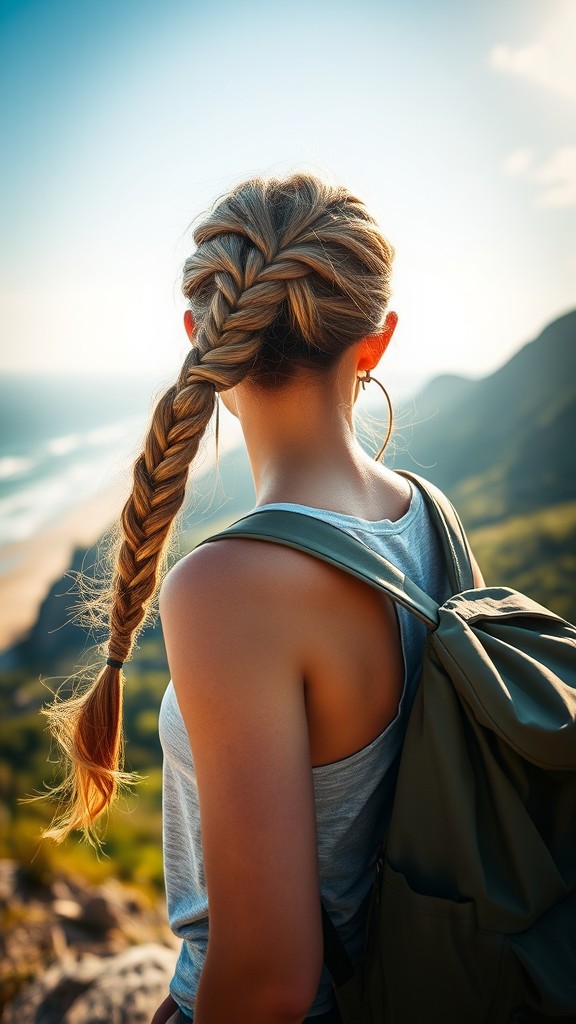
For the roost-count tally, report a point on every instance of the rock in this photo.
(67, 908)
(100, 914)
(48, 998)
(129, 990)
(123, 989)
(61, 888)
(57, 937)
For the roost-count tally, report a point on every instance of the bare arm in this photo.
(235, 669)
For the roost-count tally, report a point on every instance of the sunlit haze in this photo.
(122, 122)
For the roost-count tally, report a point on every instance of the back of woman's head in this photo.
(287, 273)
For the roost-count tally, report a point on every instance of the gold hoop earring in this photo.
(367, 378)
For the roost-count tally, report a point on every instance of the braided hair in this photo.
(286, 273)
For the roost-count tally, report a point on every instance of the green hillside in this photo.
(535, 553)
(501, 445)
(501, 448)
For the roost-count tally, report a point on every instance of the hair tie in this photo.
(113, 663)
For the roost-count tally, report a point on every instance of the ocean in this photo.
(61, 440)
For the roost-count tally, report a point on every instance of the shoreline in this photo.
(28, 568)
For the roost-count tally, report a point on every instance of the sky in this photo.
(123, 120)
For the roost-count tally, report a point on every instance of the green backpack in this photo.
(473, 911)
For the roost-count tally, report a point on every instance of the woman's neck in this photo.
(303, 449)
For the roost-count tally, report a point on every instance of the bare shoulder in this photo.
(230, 562)
(243, 586)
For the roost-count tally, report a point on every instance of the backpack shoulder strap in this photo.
(451, 533)
(331, 544)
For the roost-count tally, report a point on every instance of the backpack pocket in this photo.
(428, 962)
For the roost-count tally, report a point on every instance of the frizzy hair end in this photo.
(88, 730)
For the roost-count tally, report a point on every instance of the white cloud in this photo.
(550, 60)
(518, 163)
(555, 178)
(559, 175)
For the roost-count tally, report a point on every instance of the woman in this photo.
(291, 681)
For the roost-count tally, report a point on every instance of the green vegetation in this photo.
(501, 449)
(534, 553)
(501, 446)
(132, 846)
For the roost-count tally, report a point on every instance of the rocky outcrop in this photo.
(78, 954)
(122, 989)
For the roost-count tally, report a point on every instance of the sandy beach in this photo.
(28, 568)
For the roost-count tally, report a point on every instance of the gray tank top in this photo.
(353, 796)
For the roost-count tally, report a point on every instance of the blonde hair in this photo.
(287, 273)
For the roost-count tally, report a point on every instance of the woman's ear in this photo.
(189, 324)
(373, 348)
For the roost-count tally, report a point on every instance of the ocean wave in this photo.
(13, 467)
(37, 490)
(43, 503)
(40, 486)
(64, 445)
